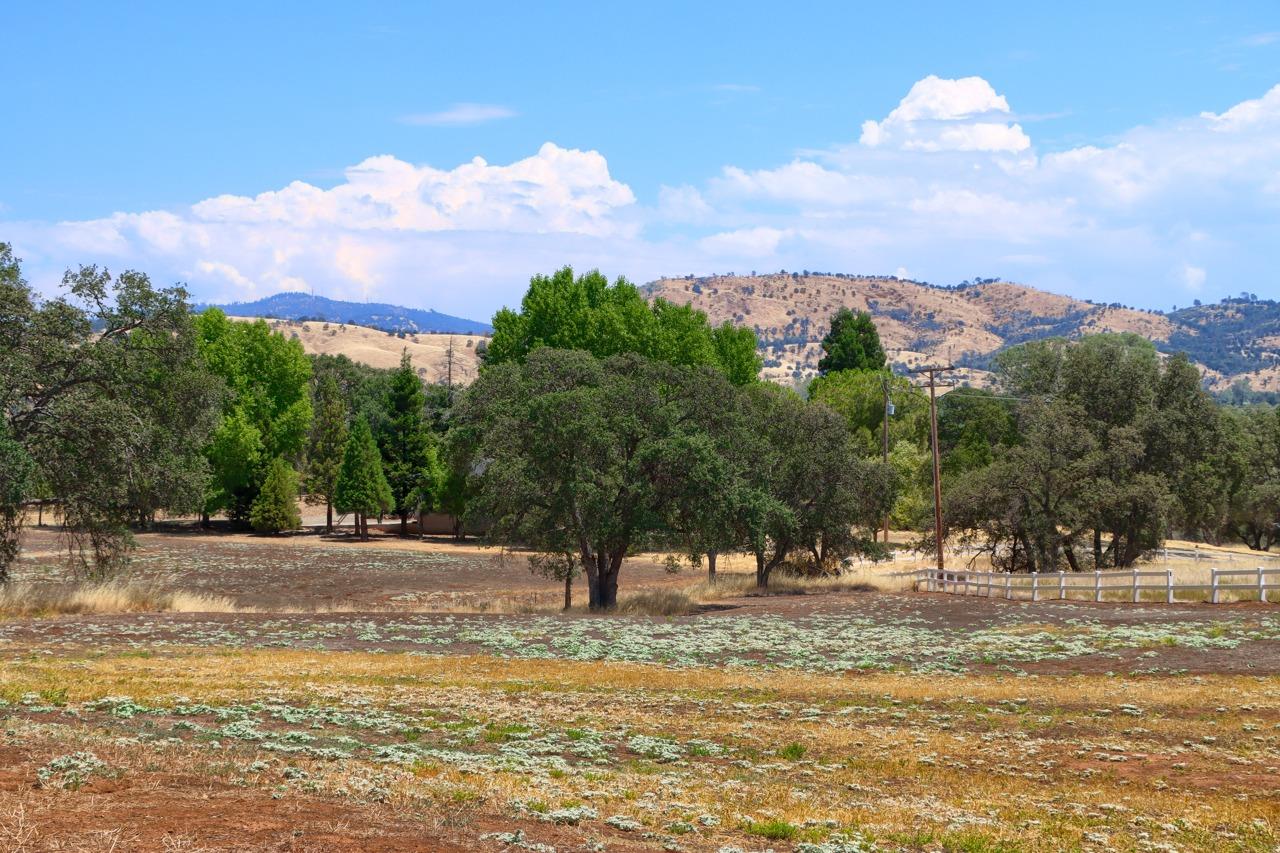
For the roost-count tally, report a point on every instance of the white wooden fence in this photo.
(1094, 586)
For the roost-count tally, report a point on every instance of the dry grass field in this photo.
(364, 697)
(381, 350)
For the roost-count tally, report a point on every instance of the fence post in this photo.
(1097, 585)
(1062, 585)
(1262, 586)
(1035, 585)
(1008, 589)
(1213, 574)
(1168, 585)
(1135, 584)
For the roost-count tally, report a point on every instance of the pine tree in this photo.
(410, 460)
(276, 507)
(328, 444)
(361, 487)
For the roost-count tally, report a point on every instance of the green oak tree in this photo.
(103, 394)
(581, 455)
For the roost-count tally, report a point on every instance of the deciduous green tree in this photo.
(589, 313)
(858, 396)
(1253, 510)
(267, 413)
(580, 455)
(104, 394)
(816, 494)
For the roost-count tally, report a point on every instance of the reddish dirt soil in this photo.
(153, 811)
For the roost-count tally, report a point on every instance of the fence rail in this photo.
(1059, 585)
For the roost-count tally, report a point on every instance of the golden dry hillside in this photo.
(918, 323)
(379, 349)
(1232, 341)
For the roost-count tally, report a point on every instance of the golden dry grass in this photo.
(37, 600)
(378, 349)
(974, 763)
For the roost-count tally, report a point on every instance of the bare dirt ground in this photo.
(310, 571)
(337, 715)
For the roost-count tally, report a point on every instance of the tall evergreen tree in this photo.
(852, 344)
(275, 509)
(328, 444)
(410, 460)
(361, 487)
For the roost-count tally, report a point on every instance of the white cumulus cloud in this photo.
(947, 185)
(948, 115)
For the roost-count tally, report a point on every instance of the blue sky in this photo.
(1122, 154)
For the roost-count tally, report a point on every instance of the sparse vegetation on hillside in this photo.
(969, 323)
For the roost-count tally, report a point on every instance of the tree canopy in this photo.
(853, 343)
(267, 413)
(105, 402)
(587, 312)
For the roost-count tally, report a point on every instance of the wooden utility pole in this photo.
(932, 372)
(885, 384)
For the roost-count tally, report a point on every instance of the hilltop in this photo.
(375, 315)
(381, 349)
(969, 323)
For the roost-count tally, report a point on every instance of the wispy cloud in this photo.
(1260, 39)
(459, 115)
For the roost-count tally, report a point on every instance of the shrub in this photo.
(792, 751)
(775, 830)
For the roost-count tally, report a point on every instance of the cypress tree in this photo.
(328, 444)
(852, 344)
(361, 487)
(275, 509)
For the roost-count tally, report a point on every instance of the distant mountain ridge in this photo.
(375, 315)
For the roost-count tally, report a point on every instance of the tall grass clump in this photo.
(18, 599)
(658, 602)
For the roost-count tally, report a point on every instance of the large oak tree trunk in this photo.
(711, 566)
